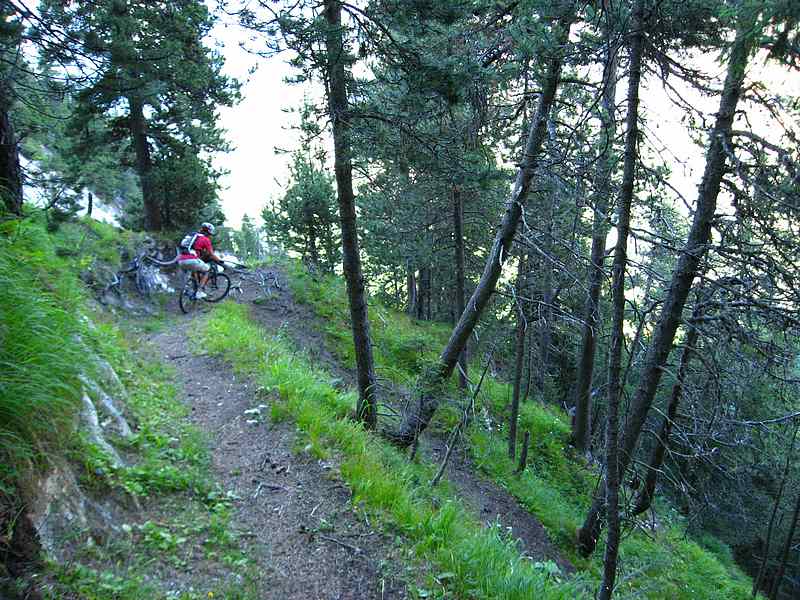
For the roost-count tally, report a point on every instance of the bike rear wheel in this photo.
(217, 287)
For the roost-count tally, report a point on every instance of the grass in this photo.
(40, 348)
(468, 561)
(557, 486)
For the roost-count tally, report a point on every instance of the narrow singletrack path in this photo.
(294, 512)
(306, 539)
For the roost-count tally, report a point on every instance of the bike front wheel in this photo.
(187, 299)
(217, 287)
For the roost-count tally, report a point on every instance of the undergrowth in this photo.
(472, 561)
(44, 333)
(187, 517)
(50, 339)
(557, 486)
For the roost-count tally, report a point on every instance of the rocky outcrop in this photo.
(56, 505)
(58, 508)
(96, 395)
(90, 424)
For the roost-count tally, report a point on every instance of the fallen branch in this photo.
(350, 547)
(461, 424)
(271, 486)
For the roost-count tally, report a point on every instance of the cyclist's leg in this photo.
(197, 272)
(203, 273)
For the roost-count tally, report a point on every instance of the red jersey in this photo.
(201, 243)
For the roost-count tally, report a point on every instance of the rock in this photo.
(108, 406)
(58, 508)
(91, 425)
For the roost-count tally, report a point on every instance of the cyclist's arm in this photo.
(210, 257)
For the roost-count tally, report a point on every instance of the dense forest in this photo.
(597, 203)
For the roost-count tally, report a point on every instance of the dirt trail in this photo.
(494, 504)
(308, 543)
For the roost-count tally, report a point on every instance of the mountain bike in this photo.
(143, 270)
(266, 280)
(216, 288)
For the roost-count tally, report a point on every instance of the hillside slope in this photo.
(220, 459)
(659, 558)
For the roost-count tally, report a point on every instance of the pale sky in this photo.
(259, 123)
(255, 127)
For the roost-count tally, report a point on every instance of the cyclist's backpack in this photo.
(187, 243)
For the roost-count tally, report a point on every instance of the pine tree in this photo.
(160, 86)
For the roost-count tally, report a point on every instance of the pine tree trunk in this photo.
(419, 414)
(458, 234)
(613, 471)
(10, 172)
(646, 495)
(637, 337)
(411, 291)
(424, 294)
(776, 583)
(768, 541)
(428, 293)
(144, 163)
(518, 363)
(545, 326)
(582, 431)
(682, 277)
(367, 409)
(548, 297)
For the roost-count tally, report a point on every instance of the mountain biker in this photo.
(197, 256)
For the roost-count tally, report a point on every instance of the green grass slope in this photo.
(40, 327)
(661, 564)
(49, 331)
(44, 333)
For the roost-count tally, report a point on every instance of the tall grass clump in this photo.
(469, 561)
(40, 348)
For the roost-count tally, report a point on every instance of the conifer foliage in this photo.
(148, 71)
(484, 170)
